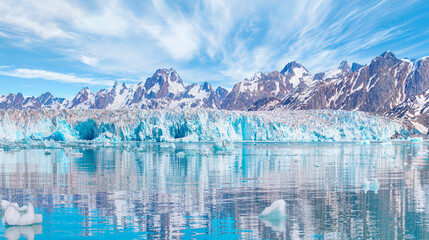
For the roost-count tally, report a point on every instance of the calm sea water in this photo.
(192, 192)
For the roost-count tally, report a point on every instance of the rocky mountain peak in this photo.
(291, 66)
(344, 66)
(355, 67)
(388, 54)
(164, 83)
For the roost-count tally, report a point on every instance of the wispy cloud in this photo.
(218, 37)
(52, 76)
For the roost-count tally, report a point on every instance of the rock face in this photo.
(165, 89)
(377, 88)
(414, 109)
(18, 101)
(265, 86)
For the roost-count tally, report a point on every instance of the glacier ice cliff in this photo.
(195, 125)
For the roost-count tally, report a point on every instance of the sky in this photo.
(62, 46)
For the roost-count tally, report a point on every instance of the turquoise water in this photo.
(143, 191)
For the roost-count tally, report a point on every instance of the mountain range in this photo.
(387, 85)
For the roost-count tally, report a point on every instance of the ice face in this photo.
(194, 125)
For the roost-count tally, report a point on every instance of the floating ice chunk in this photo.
(374, 186)
(222, 146)
(365, 185)
(51, 144)
(277, 209)
(417, 139)
(15, 232)
(387, 143)
(168, 145)
(405, 164)
(364, 142)
(14, 217)
(218, 146)
(5, 204)
(274, 216)
(180, 154)
(370, 185)
(76, 154)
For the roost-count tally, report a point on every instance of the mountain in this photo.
(271, 85)
(387, 85)
(165, 89)
(377, 87)
(18, 101)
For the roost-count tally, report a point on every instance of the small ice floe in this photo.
(168, 146)
(370, 185)
(417, 139)
(14, 215)
(364, 142)
(180, 154)
(274, 216)
(76, 154)
(15, 232)
(405, 164)
(223, 146)
(386, 143)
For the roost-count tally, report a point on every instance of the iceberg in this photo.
(374, 186)
(370, 185)
(16, 216)
(196, 125)
(274, 216)
(5, 204)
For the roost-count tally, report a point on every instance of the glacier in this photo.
(195, 125)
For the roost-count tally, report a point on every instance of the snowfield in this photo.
(195, 125)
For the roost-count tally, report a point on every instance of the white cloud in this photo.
(232, 39)
(89, 61)
(52, 76)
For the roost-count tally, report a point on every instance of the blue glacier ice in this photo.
(195, 125)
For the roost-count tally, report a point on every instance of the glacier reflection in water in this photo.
(151, 191)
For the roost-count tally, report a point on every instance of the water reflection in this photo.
(144, 191)
(29, 232)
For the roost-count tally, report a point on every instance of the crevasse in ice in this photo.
(194, 125)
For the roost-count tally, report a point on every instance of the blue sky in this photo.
(61, 46)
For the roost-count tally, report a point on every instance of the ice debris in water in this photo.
(168, 146)
(386, 143)
(76, 154)
(274, 216)
(417, 140)
(370, 185)
(364, 142)
(14, 215)
(180, 154)
(15, 232)
(223, 146)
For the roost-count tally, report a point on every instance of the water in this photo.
(191, 192)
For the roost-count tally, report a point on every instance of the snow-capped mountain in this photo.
(387, 85)
(377, 87)
(165, 89)
(18, 101)
(274, 85)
